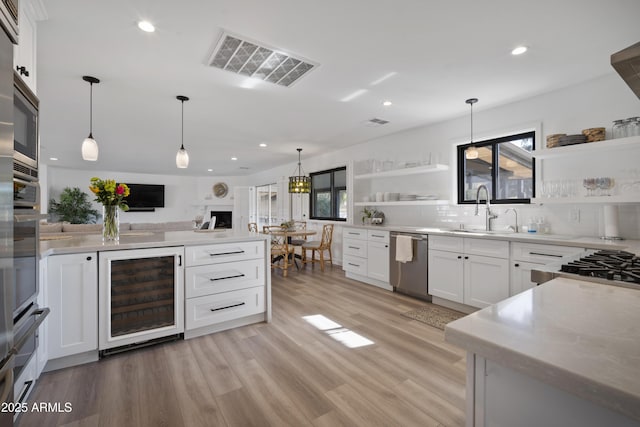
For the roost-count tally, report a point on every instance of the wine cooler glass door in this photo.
(140, 291)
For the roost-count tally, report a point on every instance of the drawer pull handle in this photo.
(225, 253)
(229, 306)
(376, 235)
(227, 277)
(541, 254)
(353, 247)
(354, 234)
(355, 265)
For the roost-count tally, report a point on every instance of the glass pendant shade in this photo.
(182, 158)
(89, 145)
(299, 183)
(90, 149)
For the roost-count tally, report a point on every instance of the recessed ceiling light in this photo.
(146, 26)
(387, 103)
(209, 170)
(263, 145)
(234, 158)
(53, 158)
(519, 50)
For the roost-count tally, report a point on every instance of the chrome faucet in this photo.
(515, 212)
(488, 214)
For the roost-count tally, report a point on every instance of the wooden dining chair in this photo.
(298, 242)
(281, 251)
(253, 227)
(322, 245)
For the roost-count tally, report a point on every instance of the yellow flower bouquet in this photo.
(112, 195)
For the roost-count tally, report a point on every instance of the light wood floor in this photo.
(286, 373)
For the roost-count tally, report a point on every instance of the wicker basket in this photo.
(594, 134)
(554, 140)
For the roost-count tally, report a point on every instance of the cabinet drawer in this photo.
(485, 247)
(355, 233)
(223, 252)
(444, 243)
(542, 254)
(354, 264)
(229, 276)
(212, 309)
(354, 247)
(378, 236)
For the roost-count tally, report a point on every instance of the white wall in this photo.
(591, 104)
(185, 197)
(595, 103)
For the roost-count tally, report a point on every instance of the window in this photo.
(329, 194)
(512, 181)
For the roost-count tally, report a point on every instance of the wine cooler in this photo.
(140, 297)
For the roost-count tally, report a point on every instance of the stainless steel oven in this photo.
(25, 126)
(26, 244)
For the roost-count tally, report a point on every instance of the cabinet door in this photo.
(72, 291)
(24, 53)
(446, 275)
(521, 276)
(486, 280)
(378, 261)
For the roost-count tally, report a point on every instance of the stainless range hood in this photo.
(627, 64)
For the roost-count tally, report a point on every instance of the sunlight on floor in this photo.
(343, 335)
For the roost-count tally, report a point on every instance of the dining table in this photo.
(288, 235)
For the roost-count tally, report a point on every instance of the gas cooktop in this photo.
(606, 266)
(610, 265)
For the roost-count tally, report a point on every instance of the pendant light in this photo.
(182, 158)
(471, 153)
(89, 145)
(299, 183)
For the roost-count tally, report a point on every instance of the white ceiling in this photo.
(440, 53)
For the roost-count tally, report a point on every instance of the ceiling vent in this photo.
(255, 60)
(376, 122)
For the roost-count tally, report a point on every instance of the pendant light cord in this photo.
(472, 123)
(182, 137)
(91, 110)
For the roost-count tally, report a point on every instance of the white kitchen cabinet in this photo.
(528, 256)
(446, 275)
(225, 286)
(72, 291)
(24, 53)
(366, 256)
(468, 276)
(486, 280)
(378, 261)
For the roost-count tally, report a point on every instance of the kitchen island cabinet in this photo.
(72, 278)
(72, 296)
(562, 353)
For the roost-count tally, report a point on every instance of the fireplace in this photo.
(223, 219)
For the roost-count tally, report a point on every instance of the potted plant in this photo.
(367, 215)
(74, 207)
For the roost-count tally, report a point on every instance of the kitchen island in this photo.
(563, 353)
(149, 286)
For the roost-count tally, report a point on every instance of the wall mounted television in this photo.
(145, 197)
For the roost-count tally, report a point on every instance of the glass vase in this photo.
(111, 223)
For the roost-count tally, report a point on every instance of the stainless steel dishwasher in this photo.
(410, 278)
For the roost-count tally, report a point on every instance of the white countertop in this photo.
(578, 336)
(141, 239)
(547, 239)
